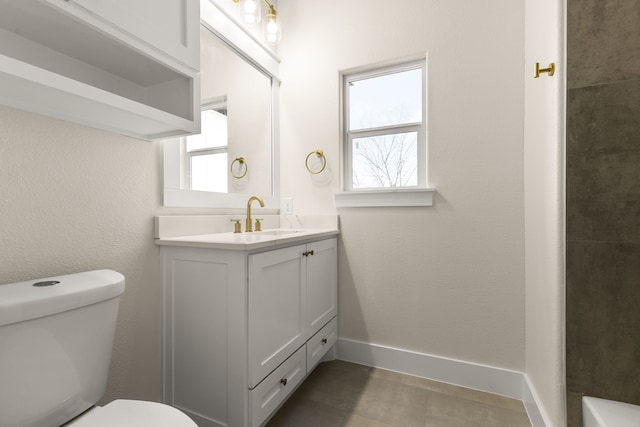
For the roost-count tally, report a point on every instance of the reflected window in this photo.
(206, 154)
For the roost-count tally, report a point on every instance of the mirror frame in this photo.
(221, 24)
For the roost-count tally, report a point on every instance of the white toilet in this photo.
(56, 337)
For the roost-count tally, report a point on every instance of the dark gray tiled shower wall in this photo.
(603, 202)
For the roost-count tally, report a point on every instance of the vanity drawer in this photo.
(321, 342)
(275, 388)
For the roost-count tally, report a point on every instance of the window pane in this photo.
(209, 173)
(213, 132)
(385, 161)
(386, 100)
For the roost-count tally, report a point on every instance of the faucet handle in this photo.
(259, 224)
(236, 227)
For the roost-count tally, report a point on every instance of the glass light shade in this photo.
(250, 11)
(271, 29)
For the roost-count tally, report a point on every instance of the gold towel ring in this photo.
(320, 154)
(241, 161)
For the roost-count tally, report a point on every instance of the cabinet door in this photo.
(204, 322)
(171, 26)
(322, 284)
(277, 303)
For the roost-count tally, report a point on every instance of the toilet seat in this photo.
(133, 413)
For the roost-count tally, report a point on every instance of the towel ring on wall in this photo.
(240, 161)
(320, 154)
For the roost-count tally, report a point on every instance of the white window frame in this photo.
(218, 105)
(419, 195)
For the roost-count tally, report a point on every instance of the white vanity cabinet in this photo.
(128, 67)
(242, 329)
(292, 294)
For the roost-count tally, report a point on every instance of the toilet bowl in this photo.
(56, 337)
(132, 413)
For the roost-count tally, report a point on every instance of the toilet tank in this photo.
(56, 337)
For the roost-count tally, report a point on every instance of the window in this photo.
(385, 131)
(206, 153)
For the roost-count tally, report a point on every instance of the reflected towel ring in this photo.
(320, 154)
(241, 162)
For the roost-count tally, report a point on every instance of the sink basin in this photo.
(279, 232)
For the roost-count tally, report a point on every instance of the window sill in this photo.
(383, 198)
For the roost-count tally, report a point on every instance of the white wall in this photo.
(75, 199)
(446, 280)
(544, 206)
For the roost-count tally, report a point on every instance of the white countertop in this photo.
(247, 241)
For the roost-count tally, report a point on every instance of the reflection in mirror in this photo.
(205, 154)
(235, 121)
(248, 103)
(233, 156)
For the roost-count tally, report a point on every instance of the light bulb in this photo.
(271, 28)
(250, 11)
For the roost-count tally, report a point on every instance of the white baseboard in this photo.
(530, 399)
(503, 382)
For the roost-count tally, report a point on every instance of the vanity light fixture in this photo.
(250, 13)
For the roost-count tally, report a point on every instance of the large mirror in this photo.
(235, 155)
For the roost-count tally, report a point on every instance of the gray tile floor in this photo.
(342, 394)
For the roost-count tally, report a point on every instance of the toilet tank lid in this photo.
(23, 301)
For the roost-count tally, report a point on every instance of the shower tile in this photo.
(603, 41)
(603, 320)
(603, 202)
(603, 177)
(574, 409)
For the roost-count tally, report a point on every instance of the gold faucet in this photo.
(249, 226)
